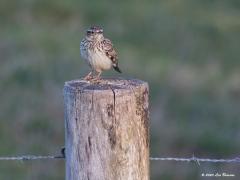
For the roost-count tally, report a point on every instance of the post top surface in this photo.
(104, 84)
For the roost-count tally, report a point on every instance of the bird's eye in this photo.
(90, 32)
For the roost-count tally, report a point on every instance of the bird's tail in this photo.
(115, 67)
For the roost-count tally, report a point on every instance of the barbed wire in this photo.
(62, 156)
(33, 157)
(29, 157)
(197, 160)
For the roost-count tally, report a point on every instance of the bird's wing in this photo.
(110, 52)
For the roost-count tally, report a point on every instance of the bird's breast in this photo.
(99, 61)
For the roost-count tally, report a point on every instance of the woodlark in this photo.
(98, 52)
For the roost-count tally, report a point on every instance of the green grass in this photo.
(188, 51)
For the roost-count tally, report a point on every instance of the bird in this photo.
(98, 52)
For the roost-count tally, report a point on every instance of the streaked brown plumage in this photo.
(98, 52)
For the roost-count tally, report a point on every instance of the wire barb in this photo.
(29, 157)
(62, 156)
(196, 160)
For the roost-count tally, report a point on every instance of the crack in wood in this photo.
(92, 105)
(112, 130)
(106, 130)
(114, 101)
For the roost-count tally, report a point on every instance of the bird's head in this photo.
(95, 32)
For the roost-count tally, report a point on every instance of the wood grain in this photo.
(107, 130)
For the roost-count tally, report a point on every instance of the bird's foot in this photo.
(88, 77)
(96, 80)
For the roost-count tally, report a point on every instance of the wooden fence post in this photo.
(107, 130)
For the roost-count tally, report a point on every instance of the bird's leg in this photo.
(97, 79)
(88, 76)
(98, 75)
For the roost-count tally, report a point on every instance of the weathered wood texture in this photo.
(107, 130)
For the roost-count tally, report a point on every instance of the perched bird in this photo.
(98, 52)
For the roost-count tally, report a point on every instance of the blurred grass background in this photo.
(188, 51)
